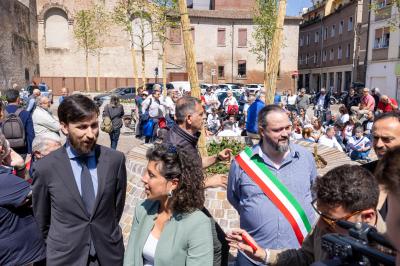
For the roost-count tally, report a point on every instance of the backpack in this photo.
(13, 129)
(106, 124)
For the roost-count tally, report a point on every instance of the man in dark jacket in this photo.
(13, 100)
(351, 100)
(185, 135)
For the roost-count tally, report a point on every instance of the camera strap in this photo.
(276, 191)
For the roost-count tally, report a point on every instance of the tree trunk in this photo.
(87, 71)
(274, 55)
(143, 67)
(191, 64)
(98, 72)
(164, 68)
(135, 72)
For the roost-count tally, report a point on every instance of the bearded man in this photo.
(270, 186)
(79, 192)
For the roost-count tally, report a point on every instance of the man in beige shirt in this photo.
(348, 193)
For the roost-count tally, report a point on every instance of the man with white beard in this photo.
(270, 186)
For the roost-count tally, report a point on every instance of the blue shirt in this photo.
(258, 215)
(252, 116)
(277, 99)
(77, 167)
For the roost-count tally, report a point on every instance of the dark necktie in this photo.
(88, 195)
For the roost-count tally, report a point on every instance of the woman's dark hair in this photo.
(350, 186)
(343, 110)
(114, 100)
(178, 163)
(76, 108)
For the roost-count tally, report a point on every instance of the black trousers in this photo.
(221, 247)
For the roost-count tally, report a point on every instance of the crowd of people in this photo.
(66, 207)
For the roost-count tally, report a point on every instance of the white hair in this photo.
(40, 142)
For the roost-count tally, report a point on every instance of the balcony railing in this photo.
(380, 54)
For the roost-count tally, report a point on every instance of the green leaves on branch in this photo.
(215, 147)
(265, 15)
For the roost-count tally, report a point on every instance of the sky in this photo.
(295, 6)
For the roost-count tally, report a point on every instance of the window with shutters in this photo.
(241, 68)
(350, 24)
(331, 55)
(341, 27)
(333, 31)
(221, 36)
(326, 33)
(339, 52)
(221, 72)
(242, 38)
(316, 37)
(175, 35)
(382, 38)
(324, 57)
(200, 70)
(348, 51)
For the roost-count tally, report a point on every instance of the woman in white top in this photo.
(230, 102)
(168, 227)
(344, 114)
(291, 101)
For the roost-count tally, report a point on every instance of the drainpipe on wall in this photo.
(367, 47)
(233, 39)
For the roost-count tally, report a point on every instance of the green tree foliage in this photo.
(265, 15)
(85, 35)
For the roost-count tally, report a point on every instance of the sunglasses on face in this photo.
(332, 222)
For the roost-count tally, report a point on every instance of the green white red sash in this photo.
(276, 191)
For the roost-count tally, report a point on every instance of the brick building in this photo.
(222, 35)
(18, 44)
(332, 45)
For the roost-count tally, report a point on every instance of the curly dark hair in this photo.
(350, 186)
(388, 171)
(178, 163)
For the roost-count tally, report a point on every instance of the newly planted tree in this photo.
(164, 17)
(265, 13)
(85, 35)
(123, 15)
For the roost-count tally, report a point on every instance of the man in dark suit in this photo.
(79, 192)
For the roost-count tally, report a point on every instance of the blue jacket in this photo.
(28, 124)
(252, 116)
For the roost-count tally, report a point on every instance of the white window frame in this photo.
(383, 40)
(350, 24)
(324, 56)
(316, 37)
(339, 52)
(341, 23)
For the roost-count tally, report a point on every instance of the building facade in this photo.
(332, 44)
(222, 36)
(19, 60)
(383, 69)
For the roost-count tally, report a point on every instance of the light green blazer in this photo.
(185, 240)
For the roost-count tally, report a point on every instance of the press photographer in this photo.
(346, 193)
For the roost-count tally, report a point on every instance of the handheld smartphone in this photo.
(247, 241)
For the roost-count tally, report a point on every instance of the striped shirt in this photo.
(258, 215)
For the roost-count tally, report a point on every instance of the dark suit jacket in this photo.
(62, 217)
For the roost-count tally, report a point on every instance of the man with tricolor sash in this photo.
(347, 192)
(270, 186)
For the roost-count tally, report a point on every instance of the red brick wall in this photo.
(234, 4)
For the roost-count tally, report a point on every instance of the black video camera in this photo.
(357, 248)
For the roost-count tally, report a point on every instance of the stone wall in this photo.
(18, 44)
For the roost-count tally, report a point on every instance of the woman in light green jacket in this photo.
(168, 227)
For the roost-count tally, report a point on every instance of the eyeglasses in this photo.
(329, 220)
